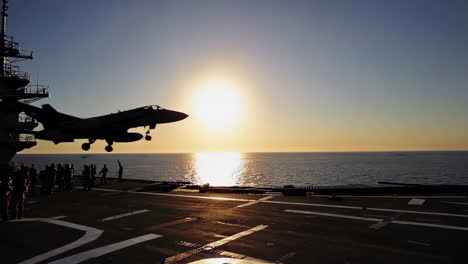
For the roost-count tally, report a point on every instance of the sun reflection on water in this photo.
(218, 168)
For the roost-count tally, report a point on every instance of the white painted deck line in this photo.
(418, 243)
(454, 202)
(318, 195)
(398, 196)
(246, 204)
(369, 208)
(293, 203)
(275, 193)
(218, 243)
(124, 215)
(462, 228)
(417, 212)
(416, 201)
(90, 235)
(255, 202)
(198, 197)
(236, 236)
(59, 217)
(97, 252)
(385, 221)
(378, 225)
(371, 219)
(266, 198)
(182, 195)
(317, 205)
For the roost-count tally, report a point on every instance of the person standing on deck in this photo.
(18, 194)
(60, 177)
(50, 178)
(120, 178)
(86, 178)
(104, 172)
(67, 177)
(72, 176)
(93, 174)
(5, 189)
(32, 178)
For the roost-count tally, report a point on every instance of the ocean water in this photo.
(276, 169)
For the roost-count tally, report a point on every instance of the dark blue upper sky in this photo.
(395, 66)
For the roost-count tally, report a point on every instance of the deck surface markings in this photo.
(295, 203)
(124, 215)
(461, 228)
(97, 252)
(90, 235)
(254, 202)
(213, 245)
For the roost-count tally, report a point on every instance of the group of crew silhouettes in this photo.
(55, 175)
(90, 173)
(19, 182)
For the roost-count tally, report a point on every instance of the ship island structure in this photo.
(15, 86)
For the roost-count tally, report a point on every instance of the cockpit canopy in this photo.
(153, 107)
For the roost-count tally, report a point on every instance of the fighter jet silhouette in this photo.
(59, 127)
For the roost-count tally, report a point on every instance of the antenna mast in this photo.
(3, 36)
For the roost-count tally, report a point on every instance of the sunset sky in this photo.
(286, 75)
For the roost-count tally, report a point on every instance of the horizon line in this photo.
(351, 151)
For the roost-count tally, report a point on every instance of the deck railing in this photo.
(36, 89)
(12, 49)
(27, 138)
(14, 72)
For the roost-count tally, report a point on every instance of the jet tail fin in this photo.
(49, 117)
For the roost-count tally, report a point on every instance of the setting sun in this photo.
(217, 104)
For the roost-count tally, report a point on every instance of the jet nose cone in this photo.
(181, 116)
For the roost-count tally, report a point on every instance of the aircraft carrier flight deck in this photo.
(133, 222)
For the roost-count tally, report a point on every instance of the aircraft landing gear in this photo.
(87, 146)
(109, 147)
(148, 136)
